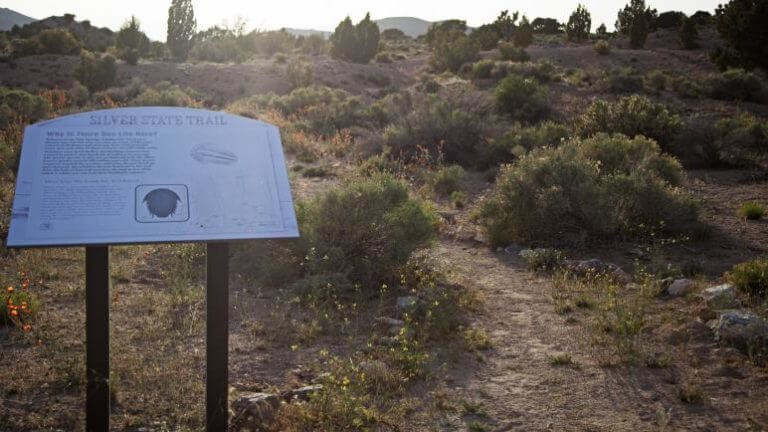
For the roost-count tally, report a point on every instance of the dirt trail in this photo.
(519, 388)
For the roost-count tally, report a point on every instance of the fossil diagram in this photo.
(162, 203)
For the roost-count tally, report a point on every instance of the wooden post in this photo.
(97, 338)
(217, 346)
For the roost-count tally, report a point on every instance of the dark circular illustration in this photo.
(162, 202)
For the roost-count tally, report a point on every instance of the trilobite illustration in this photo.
(211, 154)
(162, 202)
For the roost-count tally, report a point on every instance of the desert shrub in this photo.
(622, 81)
(656, 80)
(631, 116)
(451, 52)
(382, 227)
(18, 103)
(166, 94)
(689, 34)
(58, 41)
(510, 52)
(483, 69)
(751, 277)
(522, 98)
(736, 84)
(602, 47)
(579, 24)
(450, 125)
(741, 24)
(685, 87)
(736, 141)
(752, 211)
(541, 71)
(446, 180)
(543, 260)
(383, 57)
(299, 73)
(597, 188)
(393, 34)
(356, 43)
(96, 73)
(520, 140)
(272, 42)
(79, 94)
(218, 51)
(26, 47)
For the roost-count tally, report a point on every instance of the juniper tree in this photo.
(181, 28)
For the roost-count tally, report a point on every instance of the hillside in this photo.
(10, 18)
(413, 27)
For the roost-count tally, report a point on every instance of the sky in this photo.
(326, 14)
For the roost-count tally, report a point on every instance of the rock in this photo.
(448, 215)
(303, 393)
(390, 322)
(256, 409)
(680, 287)
(406, 303)
(741, 329)
(721, 297)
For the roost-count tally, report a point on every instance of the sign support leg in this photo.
(217, 346)
(97, 338)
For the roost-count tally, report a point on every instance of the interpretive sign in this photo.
(150, 175)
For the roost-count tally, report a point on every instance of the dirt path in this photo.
(520, 389)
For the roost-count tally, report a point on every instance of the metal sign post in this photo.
(217, 337)
(97, 338)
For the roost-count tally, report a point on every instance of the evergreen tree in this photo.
(579, 24)
(181, 28)
(505, 23)
(524, 33)
(633, 11)
(131, 42)
(689, 34)
(742, 26)
(356, 43)
(602, 31)
(638, 33)
(368, 34)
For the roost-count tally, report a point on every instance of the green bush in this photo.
(740, 141)
(58, 41)
(19, 103)
(166, 94)
(383, 57)
(631, 116)
(522, 98)
(272, 42)
(510, 52)
(623, 81)
(451, 124)
(96, 73)
(751, 277)
(218, 51)
(596, 188)
(542, 71)
(299, 73)
(579, 24)
(131, 42)
(487, 37)
(523, 34)
(736, 84)
(483, 69)
(656, 80)
(543, 260)
(752, 211)
(382, 227)
(686, 88)
(451, 52)
(520, 140)
(602, 47)
(26, 47)
(446, 180)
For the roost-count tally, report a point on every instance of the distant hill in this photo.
(92, 37)
(304, 32)
(413, 27)
(10, 18)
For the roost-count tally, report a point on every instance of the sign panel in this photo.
(147, 175)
